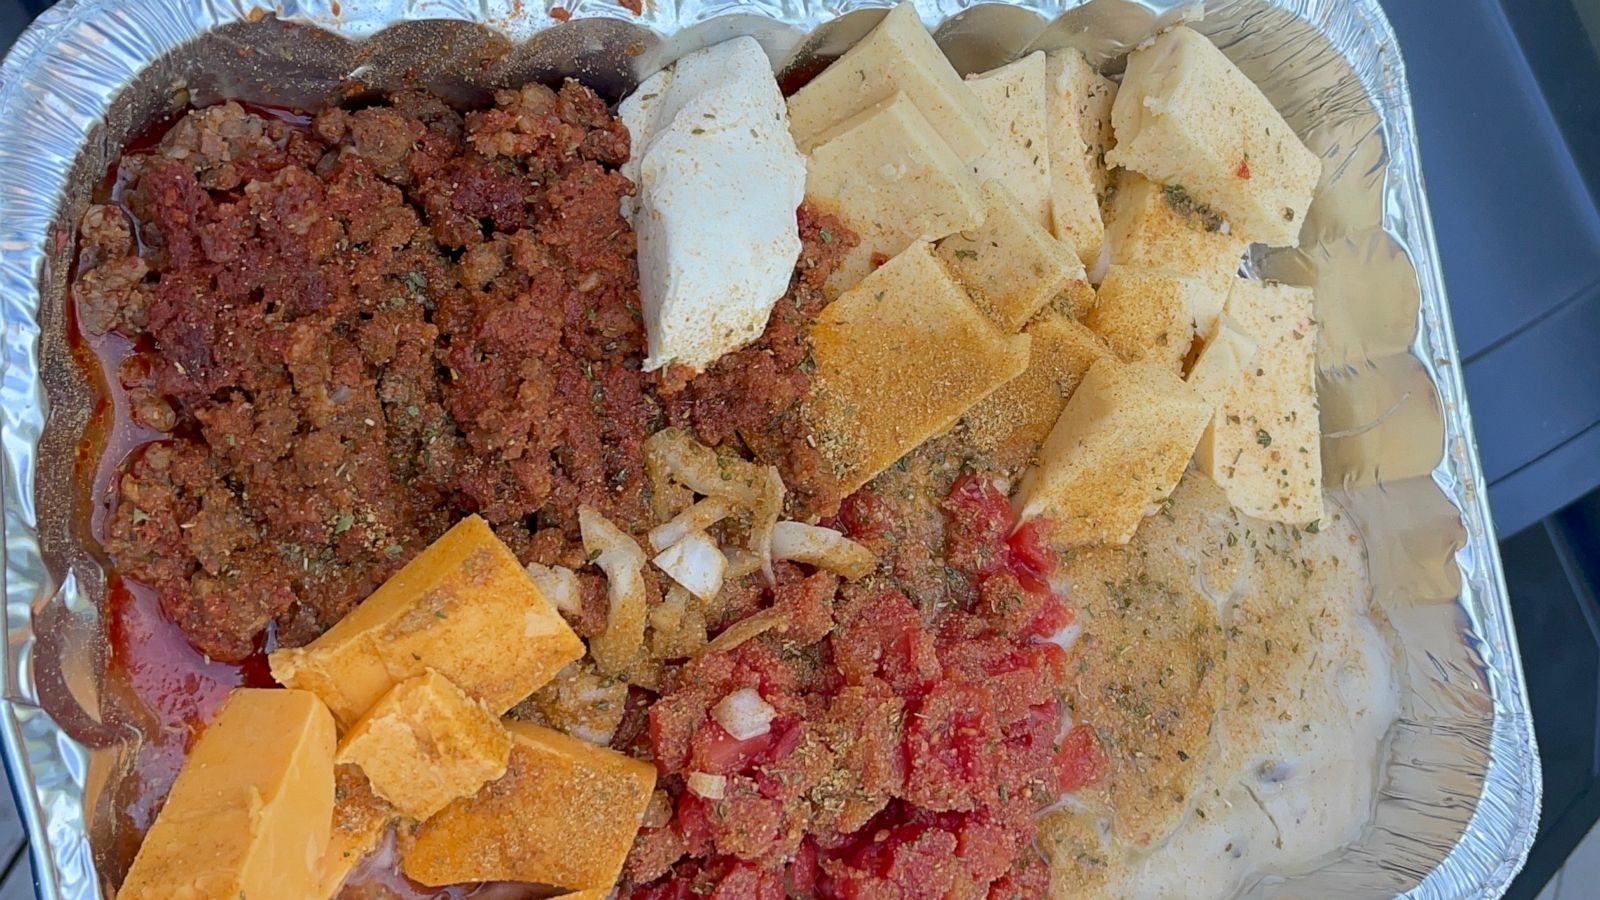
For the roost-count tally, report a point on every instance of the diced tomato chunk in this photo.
(1081, 762)
(950, 748)
(978, 516)
(717, 752)
(1032, 557)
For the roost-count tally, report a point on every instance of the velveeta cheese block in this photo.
(898, 56)
(887, 174)
(1264, 446)
(1019, 158)
(1186, 116)
(425, 744)
(1222, 361)
(1080, 88)
(564, 814)
(1011, 423)
(1074, 190)
(250, 812)
(1010, 265)
(1162, 226)
(899, 358)
(464, 607)
(1117, 451)
(1148, 314)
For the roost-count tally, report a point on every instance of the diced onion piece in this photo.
(696, 563)
(559, 585)
(768, 506)
(667, 497)
(707, 787)
(741, 562)
(823, 548)
(678, 626)
(658, 812)
(744, 714)
(746, 628)
(698, 517)
(701, 469)
(623, 560)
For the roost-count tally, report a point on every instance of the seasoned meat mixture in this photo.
(354, 329)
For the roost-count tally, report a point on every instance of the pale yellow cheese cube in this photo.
(897, 57)
(425, 743)
(1010, 265)
(890, 178)
(250, 812)
(360, 819)
(1019, 158)
(1185, 115)
(1117, 451)
(1082, 88)
(1074, 193)
(1222, 361)
(565, 814)
(464, 607)
(1154, 226)
(1264, 446)
(899, 358)
(1149, 314)
(1010, 424)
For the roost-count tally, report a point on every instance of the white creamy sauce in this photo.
(719, 181)
(1302, 698)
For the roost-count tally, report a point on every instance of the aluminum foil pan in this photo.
(1460, 798)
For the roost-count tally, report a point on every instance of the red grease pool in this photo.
(911, 747)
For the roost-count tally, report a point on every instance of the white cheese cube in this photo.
(886, 174)
(1264, 444)
(898, 56)
(1010, 265)
(1185, 115)
(899, 358)
(1117, 451)
(1019, 158)
(719, 180)
(1081, 87)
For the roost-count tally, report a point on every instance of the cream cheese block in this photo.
(719, 180)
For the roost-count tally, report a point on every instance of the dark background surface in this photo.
(1507, 100)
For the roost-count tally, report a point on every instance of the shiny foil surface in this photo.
(1459, 801)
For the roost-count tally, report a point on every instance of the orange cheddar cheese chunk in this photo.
(564, 814)
(425, 744)
(250, 812)
(360, 818)
(464, 607)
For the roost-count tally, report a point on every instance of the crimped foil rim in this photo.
(83, 42)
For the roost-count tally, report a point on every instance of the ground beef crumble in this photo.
(357, 328)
